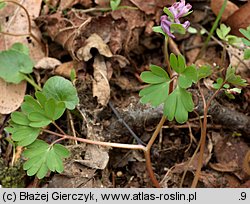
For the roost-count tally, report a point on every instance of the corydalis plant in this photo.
(170, 23)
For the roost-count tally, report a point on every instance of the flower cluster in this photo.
(178, 10)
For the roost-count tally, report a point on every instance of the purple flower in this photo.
(178, 9)
(165, 25)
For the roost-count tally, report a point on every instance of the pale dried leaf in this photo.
(47, 63)
(101, 88)
(94, 41)
(14, 20)
(95, 157)
(11, 96)
(236, 57)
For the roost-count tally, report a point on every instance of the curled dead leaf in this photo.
(11, 96)
(47, 63)
(101, 88)
(94, 41)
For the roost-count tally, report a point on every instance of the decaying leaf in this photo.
(236, 57)
(65, 69)
(11, 96)
(101, 88)
(94, 41)
(47, 63)
(95, 157)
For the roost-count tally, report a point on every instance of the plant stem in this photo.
(203, 135)
(160, 124)
(147, 152)
(212, 30)
(107, 144)
(32, 82)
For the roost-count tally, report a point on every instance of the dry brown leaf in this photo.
(239, 19)
(65, 69)
(94, 41)
(228, 150)
(229, 10)
(47, 63)
(101, 88)
(11, 96)
(192, 54)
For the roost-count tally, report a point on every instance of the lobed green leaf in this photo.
(178, 104)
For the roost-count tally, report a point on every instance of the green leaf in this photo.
(20, 118)
(232, 39)
(247, 54)
(158, 29)
(178, 28)
(38, 119)
(30, 105)
(155, 94)
(61, 89)
(173, 61)
(245, 41)
(204, 71)
(187, 77)
(218, 83)
(14, 65)
(177, 63)
(61, 151)
(20, 48)
(41, 98)
(192, 30)
(226, 86)
(168, 12)
(24, 135)
(223, 31)
(236, 80)
(54, 109)
(155, 76)
(43, 157)
(178, 104)
(2, 4)
(246, 32)
(114, 4)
